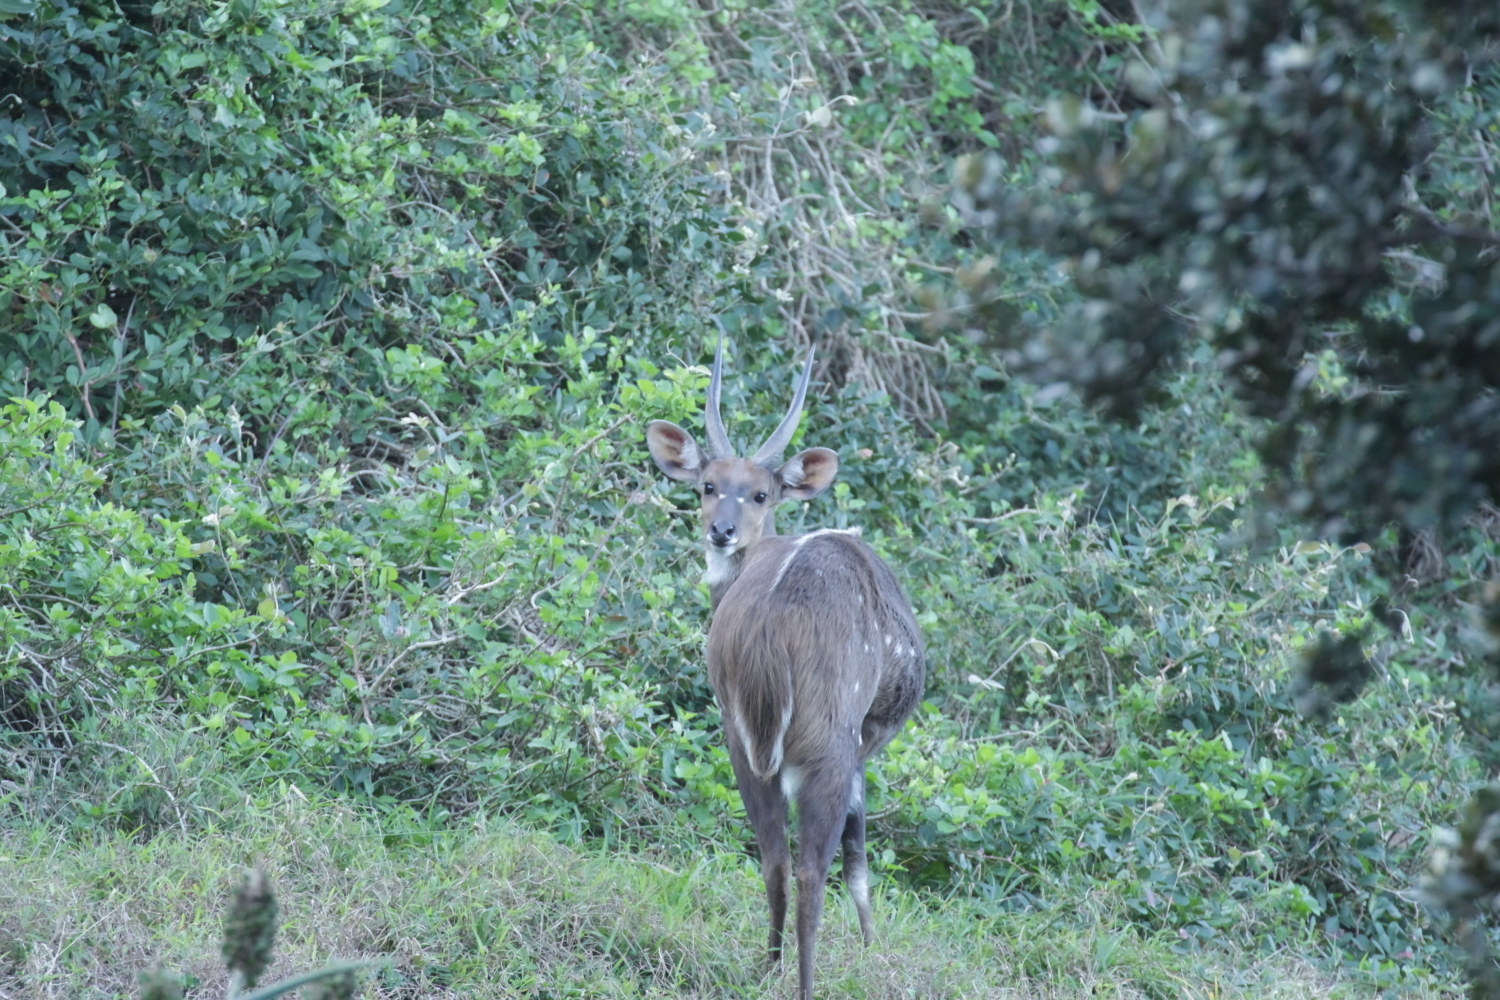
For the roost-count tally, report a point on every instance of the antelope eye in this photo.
(708, 488)
(760, 498)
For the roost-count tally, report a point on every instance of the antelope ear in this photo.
(674, 449)
(808, 473)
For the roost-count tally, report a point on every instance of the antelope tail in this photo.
(762, 711)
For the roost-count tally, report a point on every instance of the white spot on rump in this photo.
(791, 781)
(887, 640)
(898, 649)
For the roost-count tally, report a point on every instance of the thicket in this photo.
(329, 332)
(1304, 189)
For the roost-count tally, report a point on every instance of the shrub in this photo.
(330, 339)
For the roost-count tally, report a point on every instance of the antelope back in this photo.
(814, 654)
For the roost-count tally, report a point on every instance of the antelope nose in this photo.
(720, 534)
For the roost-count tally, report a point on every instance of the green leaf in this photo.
(103, 317)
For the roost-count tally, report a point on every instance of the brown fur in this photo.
(822, 628)
(814, 656)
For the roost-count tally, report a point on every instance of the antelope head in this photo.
(740, 494)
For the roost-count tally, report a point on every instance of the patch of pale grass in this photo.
(489, 911)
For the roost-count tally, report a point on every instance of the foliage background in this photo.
(328, 331)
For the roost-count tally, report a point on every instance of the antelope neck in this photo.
(724, 567)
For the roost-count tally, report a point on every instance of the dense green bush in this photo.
(1295, 189)
(303, 215)
(330, 333)
(1100, 710)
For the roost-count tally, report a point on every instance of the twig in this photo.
(441, 640)
(114, 414)
(83, 384)
(1003, 517)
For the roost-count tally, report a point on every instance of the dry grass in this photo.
(490, 912)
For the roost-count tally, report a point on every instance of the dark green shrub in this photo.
(331, 335)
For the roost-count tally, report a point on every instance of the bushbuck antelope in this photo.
(813, 655)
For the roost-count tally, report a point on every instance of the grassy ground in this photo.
(489, 911)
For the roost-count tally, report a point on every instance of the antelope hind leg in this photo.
(856, 862)
(823, 804)
(766, 808)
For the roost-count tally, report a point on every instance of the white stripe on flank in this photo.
(803, 540)
(781, 570)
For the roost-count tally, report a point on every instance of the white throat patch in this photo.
(721, 566)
